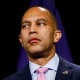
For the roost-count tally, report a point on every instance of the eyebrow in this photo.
(41, 19)
(25, 22)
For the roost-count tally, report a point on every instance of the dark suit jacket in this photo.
(66, 71)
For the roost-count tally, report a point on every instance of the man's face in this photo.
(37, 32)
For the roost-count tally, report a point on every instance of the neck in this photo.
(44, 60)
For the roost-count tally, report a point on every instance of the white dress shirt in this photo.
(52, 65)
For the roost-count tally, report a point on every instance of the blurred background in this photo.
(10, 18)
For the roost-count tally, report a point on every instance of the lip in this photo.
(34, 40)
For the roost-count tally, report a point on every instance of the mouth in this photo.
(34, 40)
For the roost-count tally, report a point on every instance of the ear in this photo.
(20, 39)
(57, 35)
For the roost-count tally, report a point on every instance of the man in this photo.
(38, 36)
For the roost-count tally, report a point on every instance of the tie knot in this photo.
(42, 70)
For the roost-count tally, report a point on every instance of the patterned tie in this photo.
(41, 73)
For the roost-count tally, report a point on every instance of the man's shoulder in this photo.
(13, 76)
(68, 70)
(74, 67)
(19, 75)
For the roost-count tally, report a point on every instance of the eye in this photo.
(41, 23)
(25, 25)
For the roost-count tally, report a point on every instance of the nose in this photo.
(33, 29)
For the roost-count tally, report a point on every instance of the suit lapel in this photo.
(64, 70)
(25, 74)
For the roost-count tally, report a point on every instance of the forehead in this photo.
(36, 12)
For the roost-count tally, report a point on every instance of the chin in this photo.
(35, 49)
(37, 53)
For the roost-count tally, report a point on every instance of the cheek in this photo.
(48, 35)
(24, 34)
(24, 38)
(44, 30)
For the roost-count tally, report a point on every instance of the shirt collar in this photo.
(52, 64)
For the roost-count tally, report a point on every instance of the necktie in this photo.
(41, 73)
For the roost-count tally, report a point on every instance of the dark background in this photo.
(11, 12)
